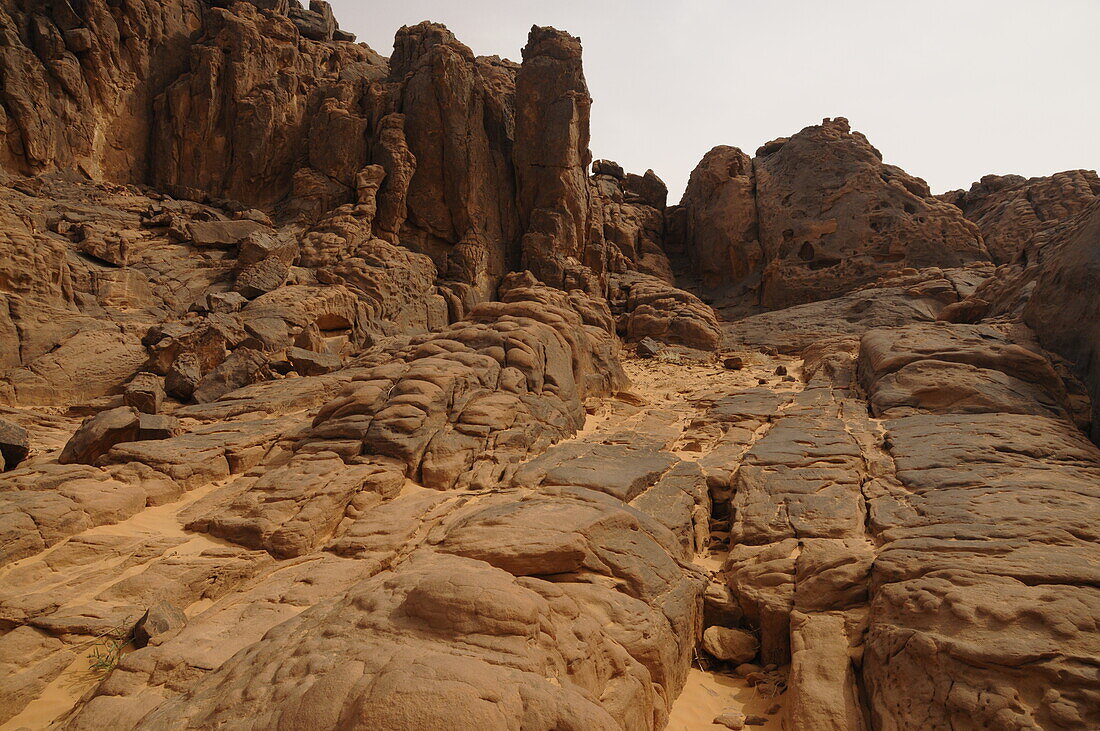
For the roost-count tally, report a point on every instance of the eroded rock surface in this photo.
(812, 217)
(340, 391)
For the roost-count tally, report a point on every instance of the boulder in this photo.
(317, 23)
(310, 338)
(312, 363)
(243, 367)
(261, 245)
(648, 307)
(225, 302)
(97, 434)
(184, 376)
(158, 426)
(158, 624)
(222, 233)
(731, 645)
(14, 444)
(262, 277)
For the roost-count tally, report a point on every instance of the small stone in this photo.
(268, 333)
(789, 379)
(747, 668)
(781, 370)
(648, 348)
(756, 721)
(730, 718)
(773, 710)
(733, 363)
(261, 245)
(157, 623)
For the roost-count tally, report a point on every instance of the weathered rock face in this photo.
(552, 158)
(719, 233)
(1042, 285)
(833, 216)
(257, 102)
(969, 467)
(79, 79)
(632, 208)
(1060, 311)
(813, 217)
(1011, 211)
(459, 129)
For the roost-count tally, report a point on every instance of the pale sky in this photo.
(950, 90)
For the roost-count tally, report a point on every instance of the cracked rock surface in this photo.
(346, 391)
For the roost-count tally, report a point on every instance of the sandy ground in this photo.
(58, 697)
(675, 386)
(79, 677)
(706, 695)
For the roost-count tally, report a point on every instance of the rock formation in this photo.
(344, 391)
(814, 215)
(1012, 211)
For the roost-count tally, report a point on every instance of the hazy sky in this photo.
(948, 90)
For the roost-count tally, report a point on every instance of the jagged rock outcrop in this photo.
(1041, 286)
(1063, 316)
(815, 216)
(633, 208)
(259, 115)
(458, 126)
(1011, 210)
(79, 79)
(552, 158)
(717, 229)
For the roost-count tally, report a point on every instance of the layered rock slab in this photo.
(987, 494)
